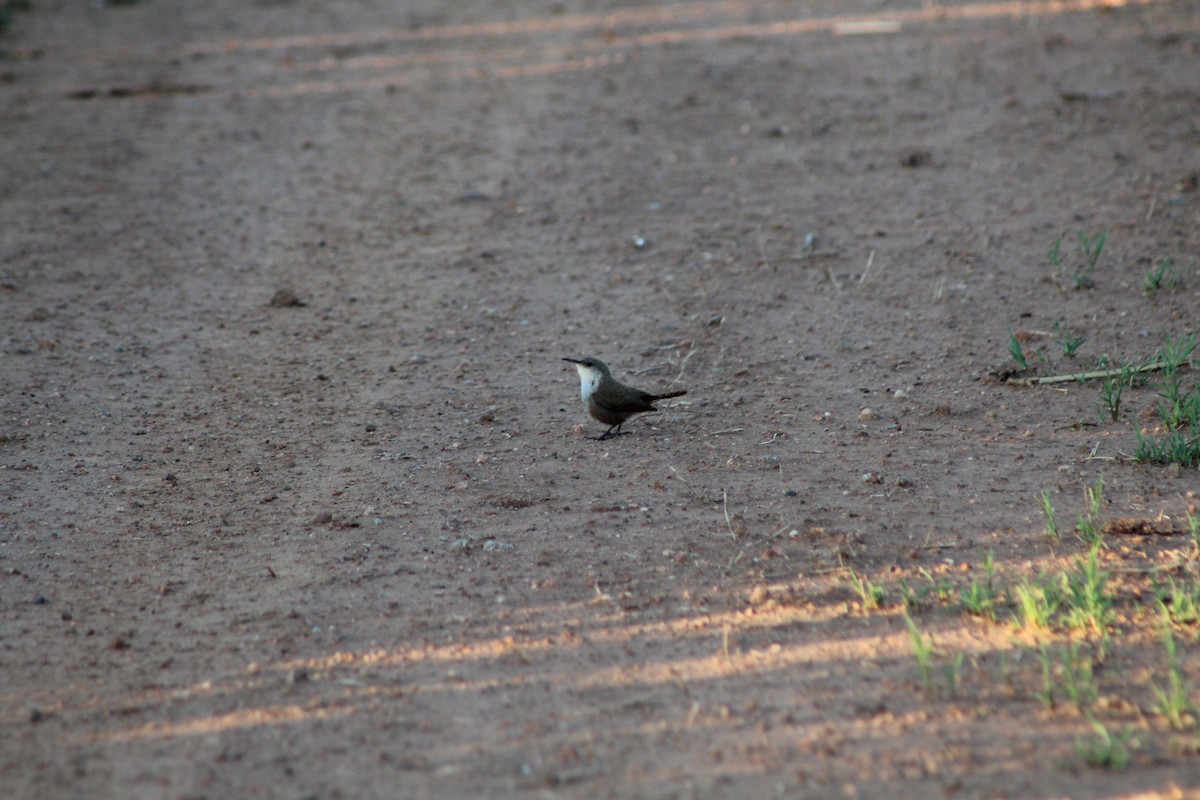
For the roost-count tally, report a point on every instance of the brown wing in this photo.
(631, 403)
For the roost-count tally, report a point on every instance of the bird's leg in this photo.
(612, 432)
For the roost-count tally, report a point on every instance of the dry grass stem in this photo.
(1084, 376)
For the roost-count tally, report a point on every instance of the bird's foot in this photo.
(608, 435)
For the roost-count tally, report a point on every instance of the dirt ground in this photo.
(296, 494)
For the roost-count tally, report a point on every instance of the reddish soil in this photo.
(355, 542)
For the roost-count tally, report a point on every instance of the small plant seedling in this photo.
(1048, 509)
(912, 600)
(1114, 386)
(923, 652)
(1104, 749)
(953, 668)
(1088, 524)
(981, 599)
(1179, 408)
(1178, 447)
(1161, 277)
(1090, 248)
(977, 599)
(1085, 594)
(1016, 351)
(872, 595)
(1076, 680)
(1067, 340)
(1036, 603)
(1079, 681)
(1180, 602)
(943, 588)
(1174, 702)
(1094, 495)
(1056, 255)
(1175, 353)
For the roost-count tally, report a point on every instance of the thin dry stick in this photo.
(780, 532)
(733, 561)
(762, 250)
(833, 279)
(866, 273)
(725, 505)
(683, 365)
(1085, 376)
(691, 488)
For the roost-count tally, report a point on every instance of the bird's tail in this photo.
(668, 395)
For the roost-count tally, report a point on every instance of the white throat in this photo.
(589, 379)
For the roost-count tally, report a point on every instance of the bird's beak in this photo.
(573, 360)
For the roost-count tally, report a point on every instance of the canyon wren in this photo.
(609, 400)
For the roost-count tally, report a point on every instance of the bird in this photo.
(610, 401)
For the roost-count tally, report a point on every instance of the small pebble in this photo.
(867, 414)
(286, 298)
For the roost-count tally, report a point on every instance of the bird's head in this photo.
(591, 371)
(589, 365)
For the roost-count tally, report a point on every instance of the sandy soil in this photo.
(355, 543)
